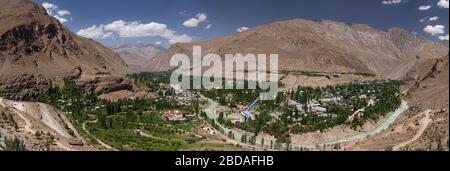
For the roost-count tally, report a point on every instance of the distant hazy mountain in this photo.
(37, 51)
(135, 55)
(325, 46)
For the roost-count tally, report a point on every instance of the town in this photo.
(307, 109)
(239, 115)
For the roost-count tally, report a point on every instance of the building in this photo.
(174, 115)
(318, 109)
(332, 99)
(312, 106)
(247, 115)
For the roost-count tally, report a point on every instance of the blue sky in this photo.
(168, 21)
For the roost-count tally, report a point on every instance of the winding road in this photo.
(424, 122)
(96, 139)
(210, 111)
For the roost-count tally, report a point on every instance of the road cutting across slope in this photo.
(424, 122)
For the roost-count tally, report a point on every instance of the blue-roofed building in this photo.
(248, 115)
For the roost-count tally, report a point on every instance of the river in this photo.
(210, 111)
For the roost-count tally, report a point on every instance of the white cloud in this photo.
(423, 19)
(176, 38)
(443, 3)
(391, 2)
(63, 12)
(48, 6)
(443, 37)
(208, 26)
(434, 30)
(194, 22)
(429, 19)
(435, 18)
(158, 43)
(242, 29)
(54, 11)
(134, 29)
(424, 7)
(95, 32)
(61, 19)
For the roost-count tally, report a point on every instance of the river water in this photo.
(211, 112)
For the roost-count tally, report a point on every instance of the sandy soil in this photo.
(424, 122)
(34, 117)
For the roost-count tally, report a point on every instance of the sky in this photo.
(164, 22)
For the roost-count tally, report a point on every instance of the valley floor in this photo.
(317, 141)
(43, 127)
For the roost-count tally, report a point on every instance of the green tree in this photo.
(220, 119)
(14, 144)
(4, 116)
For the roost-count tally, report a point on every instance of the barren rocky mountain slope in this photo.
(35, 124)
(328, 46)
(36, 51)
(428, 81)
(324, 46)
(430, 90)
(425, 126)
(135, 55)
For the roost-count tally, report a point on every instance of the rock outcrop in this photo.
(37, 51)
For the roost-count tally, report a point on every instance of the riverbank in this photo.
(211, 107)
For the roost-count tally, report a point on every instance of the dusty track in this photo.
(96, 139)
(31, 126)
(143, 134)
(424, 122)
(28, 126)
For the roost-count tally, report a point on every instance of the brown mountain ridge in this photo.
(37, 51)
(323, 46)
(135, 55)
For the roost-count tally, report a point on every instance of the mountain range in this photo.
(135, 55)
(322, 46)
(38, 52)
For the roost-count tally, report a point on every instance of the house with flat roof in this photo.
(174, 115)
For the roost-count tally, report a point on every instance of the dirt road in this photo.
(143, 134)
(96, 139)
(424, 122)
(28, 126)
